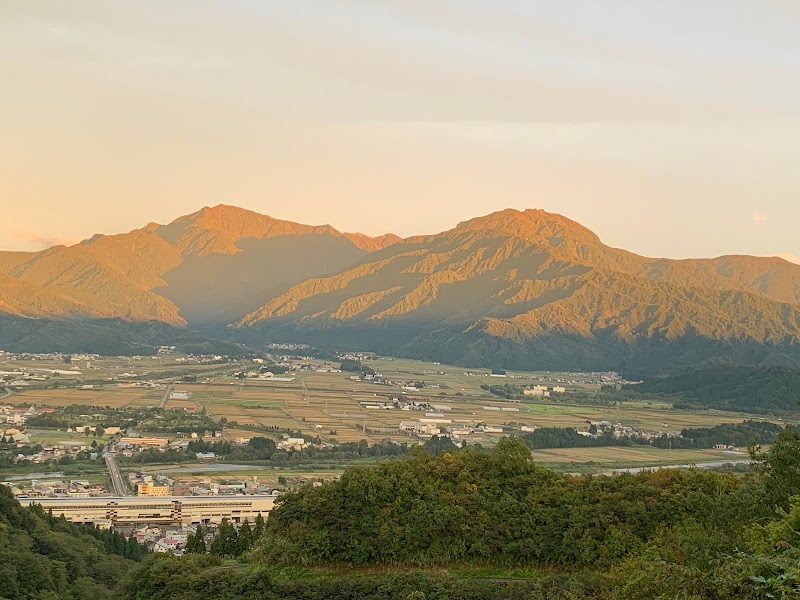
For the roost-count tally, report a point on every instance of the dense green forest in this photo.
(497, 507)
(731, 387)
(403, 529)
(109, 337)
(47, 558)
(730, 434)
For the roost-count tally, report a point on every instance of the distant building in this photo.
(130, 510)
(150, 489)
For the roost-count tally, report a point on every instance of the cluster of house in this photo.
(50, 488)
(148, 385)
(161, 539)
(163, 485)
(396, 403)
(21, 379)
(292, 443)
(458, 431)
(133, 443)
(12, 415)
(48, 356)
(55, 453)
(201, 359)
(544, 391)
(15, 436)
(618, 430)
(290, 347)
(310, 367)
(110, 430)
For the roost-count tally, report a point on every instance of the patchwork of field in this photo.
(338, 408)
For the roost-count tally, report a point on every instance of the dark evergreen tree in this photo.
(245, 538)
(196, 544)
(258, 531)
(226, 543)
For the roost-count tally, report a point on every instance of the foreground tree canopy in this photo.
(423, 519)
(47, 558)
(497, 508)
(664, 534)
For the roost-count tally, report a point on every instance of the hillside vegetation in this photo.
(535, 290)
(416, 528)
(731, 387)
(109, 337)
(47, 558)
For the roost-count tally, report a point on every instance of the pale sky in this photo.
(670, 128)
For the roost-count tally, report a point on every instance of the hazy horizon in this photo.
(669, 131)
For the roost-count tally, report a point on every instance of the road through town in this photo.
(117, 482)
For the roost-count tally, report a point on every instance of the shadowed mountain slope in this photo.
(534, 289)
(212, 266)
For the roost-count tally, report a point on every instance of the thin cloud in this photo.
(792, 258)
(42, 241)
(759, 218)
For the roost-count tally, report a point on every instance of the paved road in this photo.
(117, 482)
(7, 391)
(166, 396)
(700, 465)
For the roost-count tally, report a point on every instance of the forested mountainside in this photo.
(731, 387)
(513, 289)
(109, 337)
(535, 290)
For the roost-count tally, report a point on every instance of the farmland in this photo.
(337, 408)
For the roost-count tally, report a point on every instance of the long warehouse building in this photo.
(177, 510)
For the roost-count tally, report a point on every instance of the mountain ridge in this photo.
(520, 277)
(524, 288)
(158, 272)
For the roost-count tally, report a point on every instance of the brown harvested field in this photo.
(114, 397)
(634, 455)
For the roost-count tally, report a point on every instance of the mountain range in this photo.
(208, 267)
(513, 289)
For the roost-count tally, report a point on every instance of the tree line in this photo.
(730, 434)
